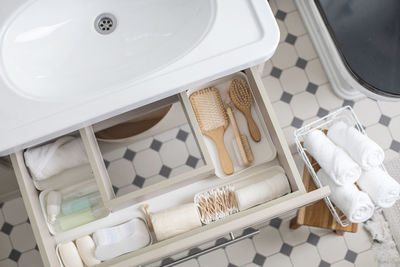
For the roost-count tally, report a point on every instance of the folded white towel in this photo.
(360, 147)
(336, 163)
(263, 191)
(114, 241)
(355, 204)
(381, 187)
(51, 159)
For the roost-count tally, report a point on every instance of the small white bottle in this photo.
(53, 205)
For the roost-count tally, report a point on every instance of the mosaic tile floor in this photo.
(300, 92)
(151, 160)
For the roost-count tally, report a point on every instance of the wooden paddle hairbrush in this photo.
(211, 116)
(240, 94)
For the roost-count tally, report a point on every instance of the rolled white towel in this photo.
(336, 163)
(114, 241)
(263, 191)
(360, 147)
(355, 204)
(50, 159)
(380, 186)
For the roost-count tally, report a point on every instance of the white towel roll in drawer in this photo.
(263, 191)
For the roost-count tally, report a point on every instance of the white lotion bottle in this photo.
(53, 205)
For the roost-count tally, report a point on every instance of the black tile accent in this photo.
(351, 256)
(286, 97)
(6, 228)
(220, 241)
(280, 15)
(167, 261)
(1, 205)
(194, 251)
(286, 249)
(28, 221)
(107, 163)
(301, 63)
(156, 145)
(248, 231)
(384, 120)
(129, 154)
(232, 265)
(348, 103)
(14, 255)
(324, 264)
(115, 189)
(313, 239)
(322, 112)
(291, 39)
(312, 88)
(182, 135)
(276, 222)
(165, 171)
(275, 72)
(296, 122)
(36, 248)
(192, 161)
(138, 181)
(395, 146)
(259, 259)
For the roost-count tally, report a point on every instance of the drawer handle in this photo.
(249, 232)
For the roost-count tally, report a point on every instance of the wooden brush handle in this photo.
(217, 135)
(253, 128)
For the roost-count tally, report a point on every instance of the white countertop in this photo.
(236, 41)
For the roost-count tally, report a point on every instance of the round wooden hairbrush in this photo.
(241, 97)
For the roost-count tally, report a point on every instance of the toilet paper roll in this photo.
(174, 221)
(69, 255)
(263, 191)
(86, 248)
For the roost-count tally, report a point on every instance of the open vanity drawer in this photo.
(183, 191)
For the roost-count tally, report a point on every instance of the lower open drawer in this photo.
(130, 207)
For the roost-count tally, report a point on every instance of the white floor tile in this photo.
(304, 47)
(30, 259)
(121, 172)
(367, 111)
(285, 56)
(283, 30)
(278, 260)
(174, 153)
(214, 258)
(286, 5)
(380, 134)
(390, 109)
(394, 127)
(284, 113)
(315, 72)
(327, 99)
(359, 241)
(147, 163)
(241, 252)
(304, 105)
(293, 237)
(8, 263)
(294, 80)
(332, 248)
(342, 263)
(294, 24)
(366, 258)
(273, 87)
(268, 241)
(22, 238)
(5, 246)
(305, 255)
(14, 211)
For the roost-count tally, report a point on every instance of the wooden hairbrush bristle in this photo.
(241, 97)
(212, 119)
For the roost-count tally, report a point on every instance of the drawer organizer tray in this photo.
(163, 196)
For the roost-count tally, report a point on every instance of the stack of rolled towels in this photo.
(347, 156)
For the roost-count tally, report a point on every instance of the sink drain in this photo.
(105, 23)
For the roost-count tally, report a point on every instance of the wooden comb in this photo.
(240, 94)
(211, 116)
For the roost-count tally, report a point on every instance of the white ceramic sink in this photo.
(51, 49)
(59, 74)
